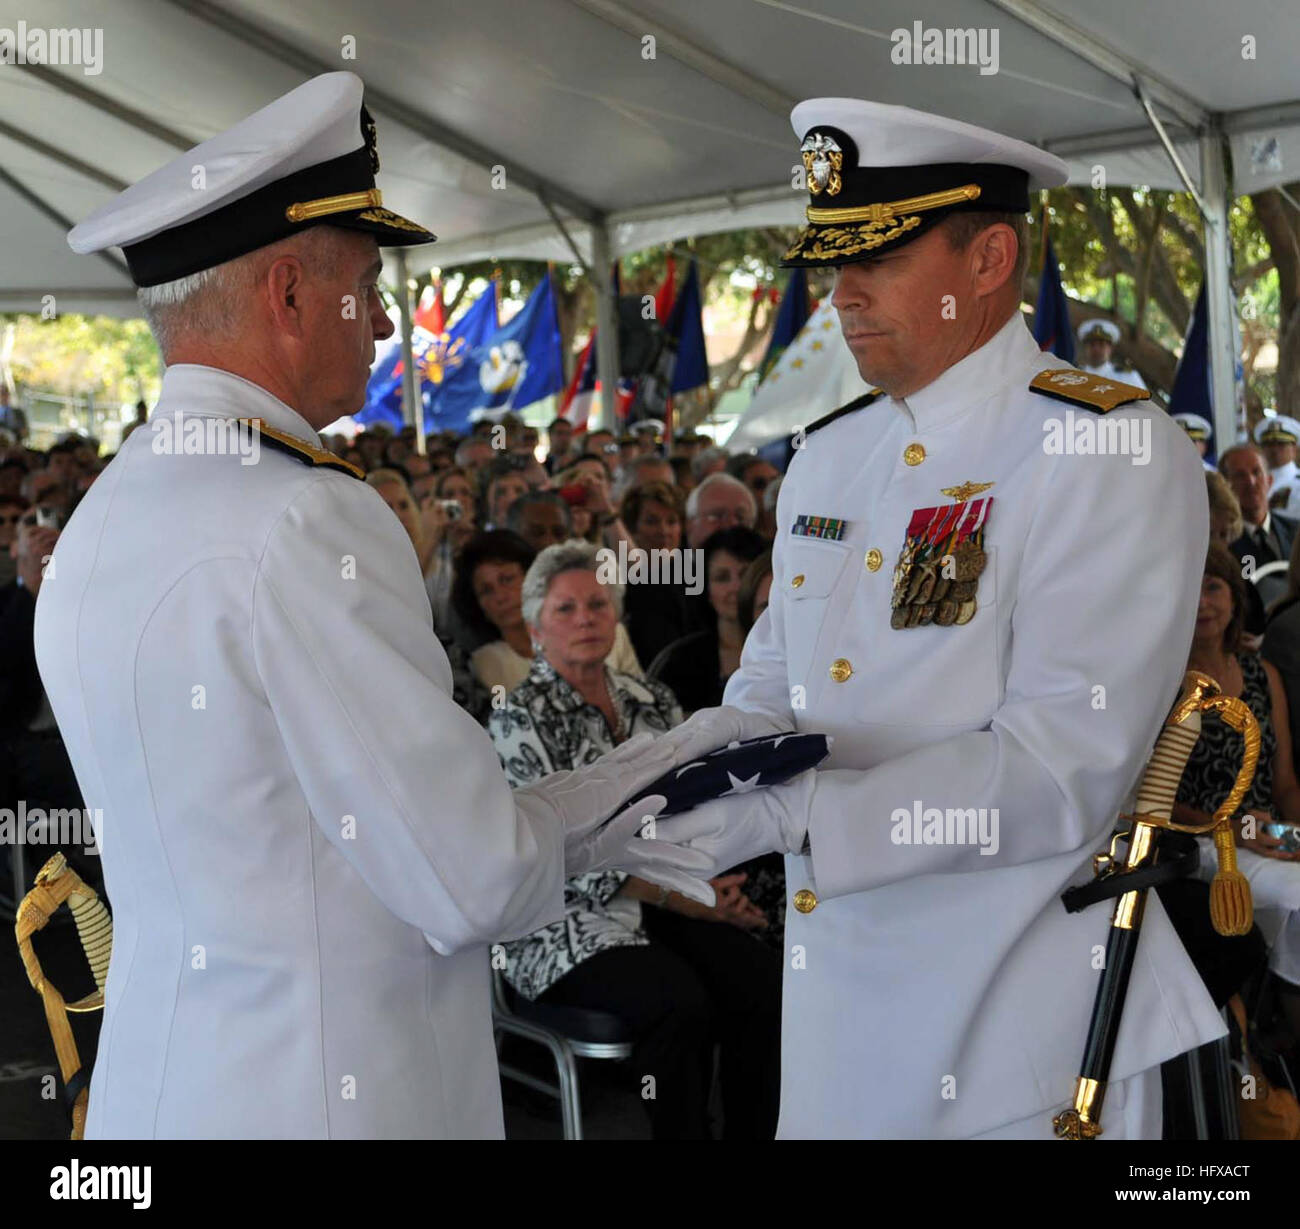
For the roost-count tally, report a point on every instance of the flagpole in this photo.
(410, 390)
(607, 367)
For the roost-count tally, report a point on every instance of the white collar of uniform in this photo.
(193, 388)
(975, 378)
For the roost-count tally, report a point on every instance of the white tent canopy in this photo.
(556, 128)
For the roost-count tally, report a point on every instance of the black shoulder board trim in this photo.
(857, 403)
(1096, 393)
(308, 454)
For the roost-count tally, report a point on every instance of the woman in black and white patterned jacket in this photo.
(681, 975)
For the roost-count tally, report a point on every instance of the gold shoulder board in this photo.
(307, 453)
(1080, 388)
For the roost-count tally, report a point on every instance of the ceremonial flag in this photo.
(737, 768)
(685, 328)
(437, 351)
(816, 373)
(519, 364)
(1052, 329)
(1191, 392)
(581, 393)
(791, 316)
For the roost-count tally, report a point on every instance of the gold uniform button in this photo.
(796, 581)
(841, 668)
(805, 900)
(874, 560)
(914, 454)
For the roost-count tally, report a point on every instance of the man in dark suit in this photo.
(1267, 536)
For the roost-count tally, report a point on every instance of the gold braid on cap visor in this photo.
(301, 211)
(859, 228)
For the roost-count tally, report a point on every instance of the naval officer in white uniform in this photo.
(989, 607)
(1278, 435)
(1099, 338)
(1199, 431)
(307, 846)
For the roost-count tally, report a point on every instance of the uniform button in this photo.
(841, 668)
(914, 454)
(796, 581)
(805, 900)
(874, 560)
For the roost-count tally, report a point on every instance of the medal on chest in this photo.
(940, 565)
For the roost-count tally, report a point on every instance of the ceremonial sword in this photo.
(1230, 904)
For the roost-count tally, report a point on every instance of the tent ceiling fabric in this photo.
(694, 140)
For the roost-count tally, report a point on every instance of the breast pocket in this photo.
(812, 570)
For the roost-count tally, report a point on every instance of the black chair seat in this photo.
(576, 1023)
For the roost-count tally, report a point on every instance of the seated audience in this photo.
(504, 486)
(1267, 536)
(1226, 525)
(422, 527)
(12, 508)
(541, 518)
(697, 666)
(559, 445)
(657, 614)
(1274, 794)
(487, 595)
(719, 502)
(681, 975)
(1281, 645)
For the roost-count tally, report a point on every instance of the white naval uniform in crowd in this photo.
(1108, 371)
(1285, 478)
(921, 963)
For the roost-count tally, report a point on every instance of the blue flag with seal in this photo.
(519, 364)
(437, 357)
(1052, 329)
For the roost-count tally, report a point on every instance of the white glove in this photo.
(582, 799)
(732, 830)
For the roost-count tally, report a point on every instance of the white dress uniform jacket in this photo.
(242, 664)
(1108, 371)
(936, 991)
(1285, 478)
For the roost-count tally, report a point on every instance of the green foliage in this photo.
(115, 361)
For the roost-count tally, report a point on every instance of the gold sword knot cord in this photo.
(56, 884)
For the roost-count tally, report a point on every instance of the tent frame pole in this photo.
(410, 393)
(1219, 299)
(607, 366)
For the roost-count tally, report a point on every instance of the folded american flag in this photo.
(737, 768)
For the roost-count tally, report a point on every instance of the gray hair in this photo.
(718, 479)
(211, 302)
(706, 456)
(463, 448)
(572, 556)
